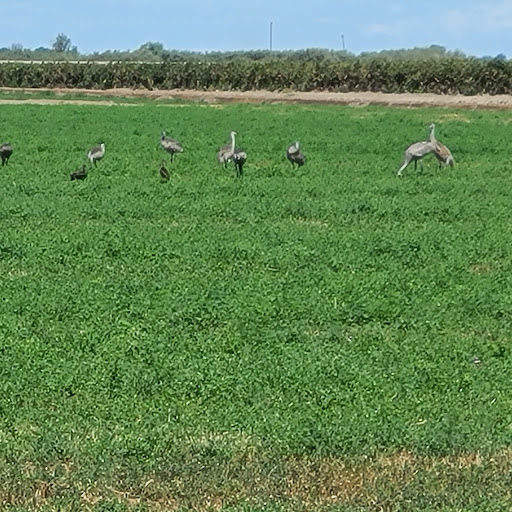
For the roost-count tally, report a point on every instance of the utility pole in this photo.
(343, 41)
(271, 36)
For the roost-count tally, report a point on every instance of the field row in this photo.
(444, 76)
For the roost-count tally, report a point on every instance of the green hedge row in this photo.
(457, 76)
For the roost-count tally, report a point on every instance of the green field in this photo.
(329, 338)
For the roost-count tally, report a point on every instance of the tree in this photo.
(62, 43)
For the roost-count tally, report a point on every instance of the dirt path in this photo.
(350, 98)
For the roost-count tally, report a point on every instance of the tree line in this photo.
(62, 49)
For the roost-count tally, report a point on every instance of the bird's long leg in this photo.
(407, 161)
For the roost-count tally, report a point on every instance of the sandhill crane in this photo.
(417, 151)
(96, 153)
(229, 152)
(295, 155)
(164, 173)
(5, 153)
(170, 145)
(239, 157)
(225, 153)
(441, 152)
(443, 155)
(79, 174)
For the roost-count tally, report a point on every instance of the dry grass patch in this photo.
(293, 483)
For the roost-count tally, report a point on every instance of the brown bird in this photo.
(441, 152)
(164, 173)
(79, 174)
(5, 153)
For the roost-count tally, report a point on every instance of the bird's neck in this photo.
(232, 142)
(433, 134)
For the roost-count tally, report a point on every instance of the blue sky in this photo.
(473, 26)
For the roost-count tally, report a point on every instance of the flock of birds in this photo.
(226, 154)
(231, 153)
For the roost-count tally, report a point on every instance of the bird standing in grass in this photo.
(96, 153)
(164, 173)
(415, 152)
(229, 152)
(443, 155)
(79, 174)
(441, 152)
(295, 155)
(5, 153)
(225, 153)
(239, 158)
(170, 145)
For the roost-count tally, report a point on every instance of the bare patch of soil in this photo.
(337, 98)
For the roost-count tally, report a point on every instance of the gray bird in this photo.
(415, 152)
(5, 153)
(295, 155)
(96, 153)
(239, 158)
(229, 152)
(79, 174)
(170, 145)
(225, 153)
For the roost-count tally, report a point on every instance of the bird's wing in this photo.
(239, 155)
(421, 148)
(442, 149)
(169, 143)
(224, 152)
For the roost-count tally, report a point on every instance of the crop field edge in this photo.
(407, 100)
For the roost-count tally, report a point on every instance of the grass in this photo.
(295, 340)
(90, 97)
